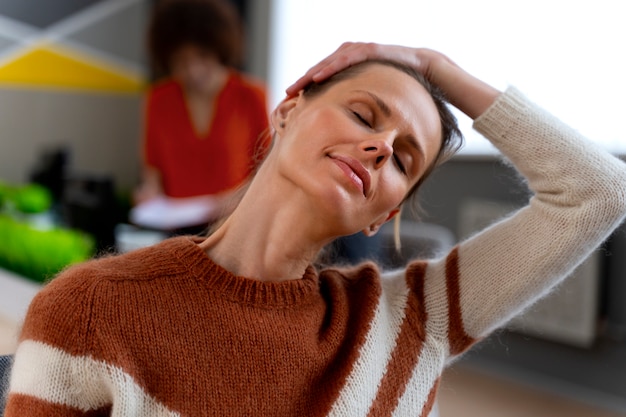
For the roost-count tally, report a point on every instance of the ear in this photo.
(281, 114)
(375, 227)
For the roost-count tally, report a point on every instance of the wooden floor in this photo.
(464, 392)
(471, 393)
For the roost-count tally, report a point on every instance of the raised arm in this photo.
(579, 198)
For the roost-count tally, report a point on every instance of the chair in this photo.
(5, 371)
(419, 240)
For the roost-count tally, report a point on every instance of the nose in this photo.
(378, 150)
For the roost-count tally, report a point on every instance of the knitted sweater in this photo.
(164, 331)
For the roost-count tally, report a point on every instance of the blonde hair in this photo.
(397, 244)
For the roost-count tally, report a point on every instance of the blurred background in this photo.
(73, 74)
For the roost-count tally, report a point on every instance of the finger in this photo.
(302, 82)
(309, 76)
(342, 58)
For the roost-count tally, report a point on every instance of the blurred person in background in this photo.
(206, 122)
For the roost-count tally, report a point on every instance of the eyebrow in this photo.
(380, 103)
(386, 110)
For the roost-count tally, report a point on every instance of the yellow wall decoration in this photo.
(53, 67)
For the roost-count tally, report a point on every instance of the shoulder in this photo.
(387, 298)
(163, 89)
(391, 285)
(66, 304)
(77, 310)
(145, 264)
(362, 277)
(247, 85)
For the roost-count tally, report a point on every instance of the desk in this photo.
(16, 293)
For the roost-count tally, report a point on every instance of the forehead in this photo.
(389, 83)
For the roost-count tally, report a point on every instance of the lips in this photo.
(355, 170)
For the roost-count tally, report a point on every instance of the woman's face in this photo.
(358, 147)
(195, 68)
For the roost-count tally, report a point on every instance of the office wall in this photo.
(72, 75)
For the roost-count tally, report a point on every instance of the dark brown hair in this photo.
(451, 136)
(211, 25)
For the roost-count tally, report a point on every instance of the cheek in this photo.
(394, 190)
(320, 118)
(315, 132)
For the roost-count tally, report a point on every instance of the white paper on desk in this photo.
(170, 213)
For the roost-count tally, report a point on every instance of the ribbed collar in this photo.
(237, 288)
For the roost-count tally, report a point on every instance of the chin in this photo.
(340, 210)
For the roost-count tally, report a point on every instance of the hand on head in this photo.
(351, 53)
(464, 91)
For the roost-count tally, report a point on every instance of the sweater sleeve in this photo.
(578, 199)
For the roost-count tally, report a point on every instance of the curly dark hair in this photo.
(212, 25)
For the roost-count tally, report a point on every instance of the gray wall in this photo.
(258, 32)
(101, 132)
(101, 129)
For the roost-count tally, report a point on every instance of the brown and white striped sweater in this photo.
(164, 331)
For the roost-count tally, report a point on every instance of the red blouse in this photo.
(191, 164)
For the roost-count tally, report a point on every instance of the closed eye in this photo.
(399, 163)
(362, 119)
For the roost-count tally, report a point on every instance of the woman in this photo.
(206, 122)
(240, 323)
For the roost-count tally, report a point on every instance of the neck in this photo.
(267, 241)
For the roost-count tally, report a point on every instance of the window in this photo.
(568, 56)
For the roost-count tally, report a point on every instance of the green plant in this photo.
(41, 254)
(29, 198)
